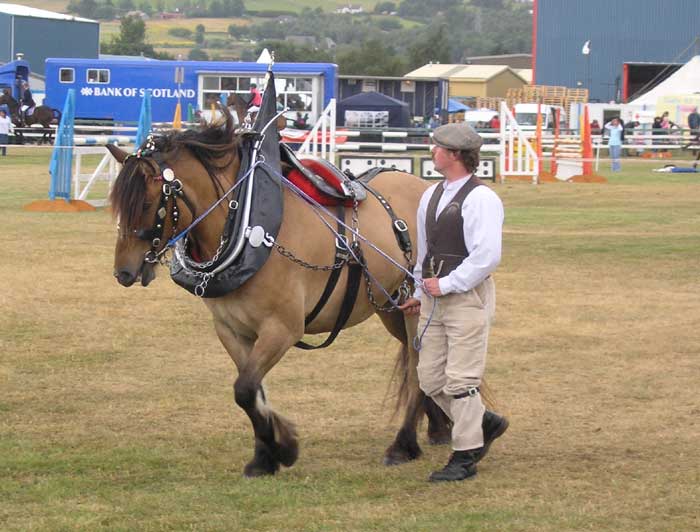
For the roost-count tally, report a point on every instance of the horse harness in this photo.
(346, 252)
(171, 190)
(350, 254)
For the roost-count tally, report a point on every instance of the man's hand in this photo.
(410, 306)
(432, 286)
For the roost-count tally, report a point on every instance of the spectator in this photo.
(5, 127)
(300, 121)
(595, 128)
(694, 122)
(256, 99)
(614, 130)
(434, 121)
(495, 122)
(694, 125)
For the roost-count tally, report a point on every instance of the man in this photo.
(459, 245)
(5, 128)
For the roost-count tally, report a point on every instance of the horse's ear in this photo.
(117, 152)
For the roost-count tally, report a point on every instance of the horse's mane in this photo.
(215, 146)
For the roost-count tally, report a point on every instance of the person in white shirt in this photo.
(5, 127)
(460, 223)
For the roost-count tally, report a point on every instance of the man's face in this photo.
(442, 157)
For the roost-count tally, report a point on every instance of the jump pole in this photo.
(61, 167)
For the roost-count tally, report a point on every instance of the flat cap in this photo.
(457, 136)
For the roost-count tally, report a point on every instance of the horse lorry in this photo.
(112, 89)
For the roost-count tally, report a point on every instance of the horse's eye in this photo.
(147, 205)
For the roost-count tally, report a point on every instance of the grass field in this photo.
(117, 412)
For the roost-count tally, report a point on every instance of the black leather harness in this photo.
(343, 255)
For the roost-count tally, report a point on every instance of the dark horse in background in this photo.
(262, 319)
(43, 115)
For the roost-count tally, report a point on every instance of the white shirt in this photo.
(482, 212)
(5, 125)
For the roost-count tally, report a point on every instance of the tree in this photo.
(197, 54)
(199, 34)
(385, 61)
(385, 7)
(132, 40)
(432, 46)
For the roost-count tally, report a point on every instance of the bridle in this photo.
(172, 189)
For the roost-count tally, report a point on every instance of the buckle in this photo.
(400, 225)
(341, 243)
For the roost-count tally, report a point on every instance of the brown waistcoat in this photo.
(445, 244)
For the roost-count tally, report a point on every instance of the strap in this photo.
(353, 287)
(341, 255)
(471, 392)
(403, 237)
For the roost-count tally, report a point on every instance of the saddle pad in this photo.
(320, 169)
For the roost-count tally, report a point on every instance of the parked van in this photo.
(526, 115)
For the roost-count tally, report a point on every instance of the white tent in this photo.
(685, 81)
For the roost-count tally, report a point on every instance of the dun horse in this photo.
(262, 319)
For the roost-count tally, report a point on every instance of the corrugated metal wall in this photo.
(619, 30)
(5, 38)
(39, 38)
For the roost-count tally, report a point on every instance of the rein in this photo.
(316, 206)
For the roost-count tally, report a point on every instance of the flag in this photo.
(144, 119)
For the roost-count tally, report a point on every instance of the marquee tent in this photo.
(372, 109)
(685, 81)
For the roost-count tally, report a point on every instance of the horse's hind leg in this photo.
(275, 437)
(405, 446)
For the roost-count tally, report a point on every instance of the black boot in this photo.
(461, 466)
(493, 426)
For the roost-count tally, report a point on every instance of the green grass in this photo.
(117, 413)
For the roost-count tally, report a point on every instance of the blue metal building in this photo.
(38, 34)
(618, 32)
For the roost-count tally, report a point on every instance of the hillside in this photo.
(377, 38)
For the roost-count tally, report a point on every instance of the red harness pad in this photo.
(321, 170)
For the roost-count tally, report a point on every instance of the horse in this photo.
(258, 322)
(43, 114)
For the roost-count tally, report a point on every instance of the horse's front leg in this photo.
(275, 437)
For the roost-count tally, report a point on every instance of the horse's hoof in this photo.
(288, 454)
(439, 439)
(394, 456)
(254, 470)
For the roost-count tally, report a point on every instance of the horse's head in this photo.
(162, 188)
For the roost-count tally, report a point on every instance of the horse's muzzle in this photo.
(127, 278)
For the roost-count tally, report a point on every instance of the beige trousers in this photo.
(453, 357)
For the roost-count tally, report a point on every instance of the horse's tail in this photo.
(404, 374)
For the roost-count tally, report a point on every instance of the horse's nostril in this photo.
(125, 277)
